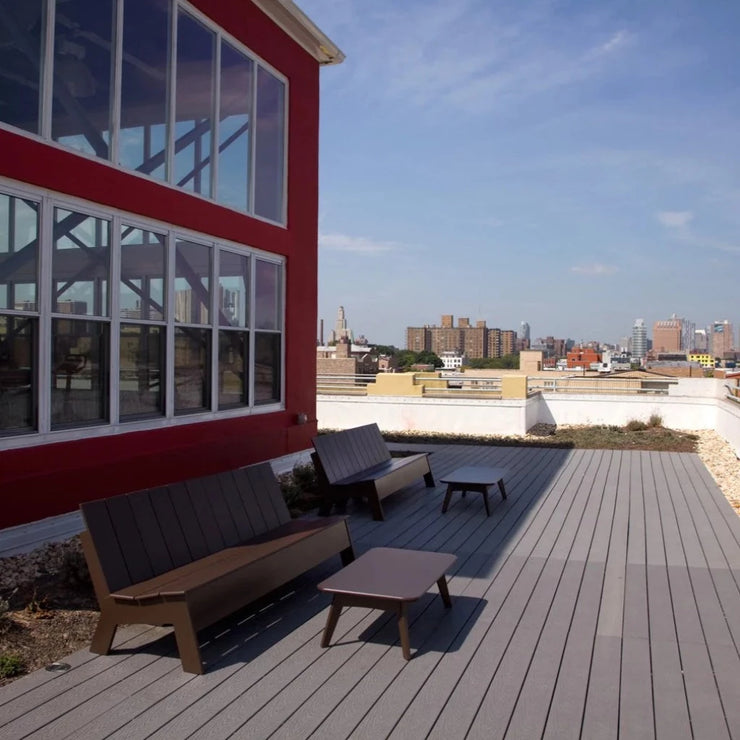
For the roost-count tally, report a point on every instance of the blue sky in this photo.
(573, 164)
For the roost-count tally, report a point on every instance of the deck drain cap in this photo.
(58, 667)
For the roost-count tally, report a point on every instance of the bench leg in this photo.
(331, 621)
(347, 555)
(429, 479)
(105, 631)
(444, 591)
(187, 642)
(376, 508)
(403, 630)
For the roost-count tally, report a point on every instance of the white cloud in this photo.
(619, 39)
(675, 219)
(358, 244)
(595, 268)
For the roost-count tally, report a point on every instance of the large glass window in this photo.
(80, 372)
(22, 24)
(144, 75)
(270, 148)
(19, 232)
(235, 124)
(190, 327)
(80, 264)
(18, 370)
(267, 339)
(142, 345)
(188, 107)
(194, 118)
(83, 61)
(233, 341)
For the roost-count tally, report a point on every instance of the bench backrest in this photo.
(351, 451)
(142, 534)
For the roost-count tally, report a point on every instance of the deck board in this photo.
(600, 599)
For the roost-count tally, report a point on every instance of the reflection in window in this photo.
(17, 374)
(233, 351)
(142, 274)
(192, 283)
(192, 369)
(266, 368)
(270, 147)
(83, 58)
(268, 298)
(21, 32)
(19, 231)
(141, 371)
(234, 127)
(144, 73)
(80, 264)
(194, 100)
(79, 372)
(233, 281)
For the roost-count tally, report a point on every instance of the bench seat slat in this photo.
(188, 578)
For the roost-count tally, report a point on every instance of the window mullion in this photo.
(44, 369)
(215, 117)
(215, 306)
(169, 175)
(169, 374)
(116, 73)
(47, 82)
(114, 299)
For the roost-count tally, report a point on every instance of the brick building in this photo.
(473, 341)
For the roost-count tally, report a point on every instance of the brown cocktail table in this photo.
(473, 478)
(386, 578)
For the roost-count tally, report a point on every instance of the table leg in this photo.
(448, 496)
(485, 500)
(444, 592)
(403, 630)
(331, 621)
(501, 488)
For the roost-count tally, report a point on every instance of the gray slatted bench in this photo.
(357, 462)
(191, 553)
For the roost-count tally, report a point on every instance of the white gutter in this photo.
(302, 30)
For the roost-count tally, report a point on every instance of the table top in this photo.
(475, 474)
(390, 573)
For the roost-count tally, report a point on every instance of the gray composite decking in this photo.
(600, 600)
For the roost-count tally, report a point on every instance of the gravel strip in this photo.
(722, 463)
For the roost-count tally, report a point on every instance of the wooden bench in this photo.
(191, 553)
(356, 462)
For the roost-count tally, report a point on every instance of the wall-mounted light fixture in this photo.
(301, 418)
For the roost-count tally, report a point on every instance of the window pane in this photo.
(19, 229)
(233, 351)
(266, 368)
(17, 374)
(144, 86)
(80, 264)
(80, 371)
(234, 127)
(233, 282)
(141, 371)
(83, 42)
(270, 148)
(142, 274)
(192, 363)
(194, 94)
(267, 303)
(21, 34)
(192, 283)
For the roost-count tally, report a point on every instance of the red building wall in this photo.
(48, 479)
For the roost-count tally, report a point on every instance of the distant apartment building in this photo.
(473, 341)
(583, 357)
(668, 335)
(452, 360)
(703, 358)
(720, 339)
(639, 339)
(523, 339)
(700, 340)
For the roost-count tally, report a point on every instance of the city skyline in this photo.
(570, 165)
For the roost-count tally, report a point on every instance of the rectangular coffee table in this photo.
(386, 578)
(473, 478)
